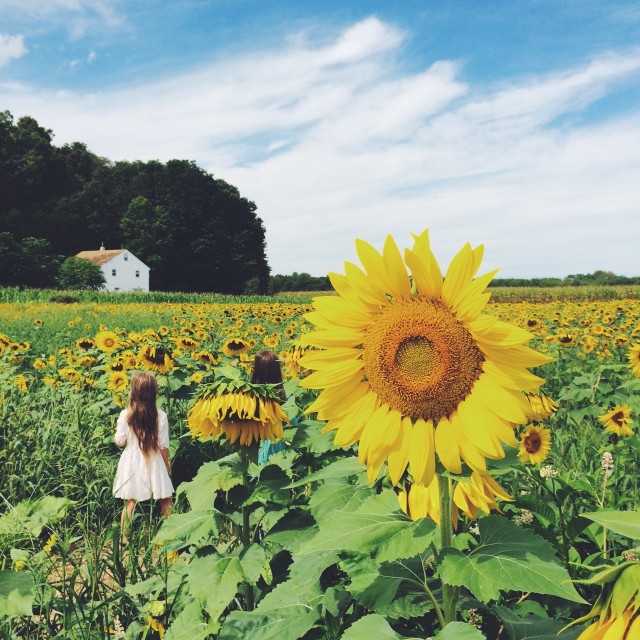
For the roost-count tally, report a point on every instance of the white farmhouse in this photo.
(122, 270)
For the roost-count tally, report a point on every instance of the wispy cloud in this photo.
(11, 48)
(340, 139)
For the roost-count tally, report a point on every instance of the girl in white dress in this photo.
(144, 468)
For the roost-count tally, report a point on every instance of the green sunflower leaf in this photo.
(626, 523)
(17, 591)
(214, 580)
(372, 626)
(377, 525)
(531, 627)
(184, 529)
(392, 589)
(507, 558)
(459, 631)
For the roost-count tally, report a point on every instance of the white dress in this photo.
(137, 477)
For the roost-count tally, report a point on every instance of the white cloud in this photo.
(339, 140)
(11, 48)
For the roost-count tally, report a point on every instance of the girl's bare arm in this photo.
(165, 456)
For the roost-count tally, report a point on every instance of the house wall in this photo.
(126, 265)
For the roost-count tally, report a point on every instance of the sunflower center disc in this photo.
(420, 360)
(533, 443)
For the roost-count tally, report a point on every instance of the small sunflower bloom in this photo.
(118, 382)
(535, 444)
(48, 545)
(618, 420)
(107, 341)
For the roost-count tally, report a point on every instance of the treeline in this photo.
(597, 278)
(196, 232)
(298, 282)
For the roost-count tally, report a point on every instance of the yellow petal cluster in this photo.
(618, 607)
(411, 368)
(479, 493)
(242, 417)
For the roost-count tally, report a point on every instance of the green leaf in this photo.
(338, 494)
(343, 467)
(459, 631)
(507, 558)
(17, 591)
(370, 627)
(270, 487)
(309, 436)
(184, 529)
(283, 614)
(393, 589)
(626, 523)
(211, 477)
(378, 525)
(189, 624)
(28, 518)
(214, 580)
(533, 627)
(253, 559)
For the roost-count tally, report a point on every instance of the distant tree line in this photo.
(196, 232)
(597, 278)
(298, 282)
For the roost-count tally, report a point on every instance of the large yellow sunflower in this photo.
(411, 367)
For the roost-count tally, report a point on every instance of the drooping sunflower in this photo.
(634, 359)
(84, 344)
(535, 444)
(617, 609)
(107, 341)
(242, 411)
(541, 407)
(411, 367)
(618, 420)
(155, 358)
(235, 347)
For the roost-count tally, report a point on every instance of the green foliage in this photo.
(17, 592)
(77, 273)
(507, 558)
(196, 232)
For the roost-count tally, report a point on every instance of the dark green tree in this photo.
(78, 273)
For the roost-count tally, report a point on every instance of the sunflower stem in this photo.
(450, 593)
(245, 532)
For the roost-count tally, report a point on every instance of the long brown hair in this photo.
(266, 370)
(143, 413)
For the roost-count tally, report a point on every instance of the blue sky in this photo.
(510, 124)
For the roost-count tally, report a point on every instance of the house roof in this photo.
(102, 256)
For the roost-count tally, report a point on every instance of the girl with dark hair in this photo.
(266, 370)
(144, 468)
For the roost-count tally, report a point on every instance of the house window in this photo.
(126, 256)
(113, 272)
(137, 274)
(117, 289)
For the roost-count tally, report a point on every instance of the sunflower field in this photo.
(448, 466)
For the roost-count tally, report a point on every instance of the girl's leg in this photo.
(127, 515)
(165, 505)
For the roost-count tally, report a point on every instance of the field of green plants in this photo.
(321, 540)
